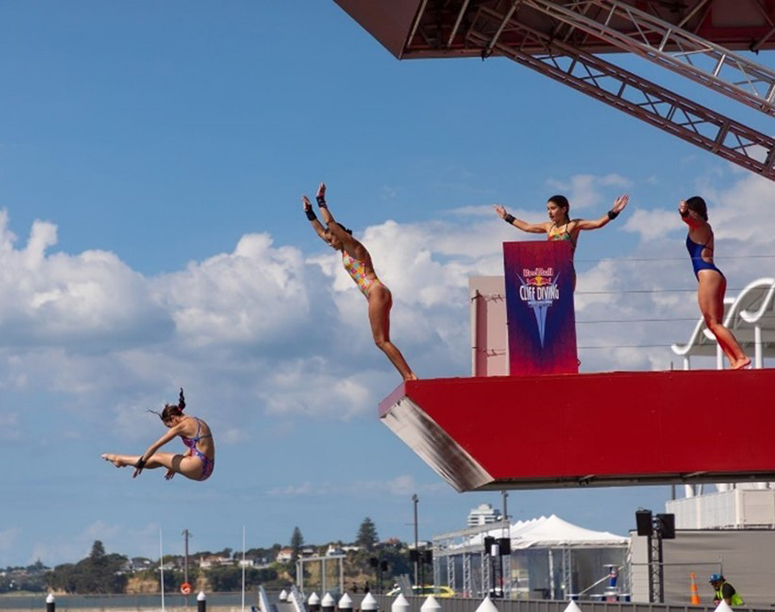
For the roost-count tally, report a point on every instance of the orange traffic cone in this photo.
(695, 593)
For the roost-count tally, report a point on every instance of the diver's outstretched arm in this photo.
(591, 224)
(328, 218)
(313, 219)
(531, 228)
(171, 433)
(350, 243)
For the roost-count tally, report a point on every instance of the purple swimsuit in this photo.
(208, 465)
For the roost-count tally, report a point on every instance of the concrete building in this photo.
(484, 514)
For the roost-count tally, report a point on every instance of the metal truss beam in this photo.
(689, 55)
(451, 583)
(486, 572)
(628, 92)
(468, 587)
(508, 585)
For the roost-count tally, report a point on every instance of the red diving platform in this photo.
(574, 430)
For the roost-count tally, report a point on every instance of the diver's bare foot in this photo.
(742, 364)
(114, 459)
(411, 376)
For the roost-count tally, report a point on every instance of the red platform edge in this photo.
(607, 429)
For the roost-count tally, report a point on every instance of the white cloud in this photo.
(270, 329)
(406, 485)
(589, 190)
(63, 300)
(400, 486)
(296, 388)
(255, 294)
(652, 224)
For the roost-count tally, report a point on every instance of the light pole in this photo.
(186, 536)
(415, 499)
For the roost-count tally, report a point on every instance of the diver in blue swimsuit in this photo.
(197, 463)
(711, 283)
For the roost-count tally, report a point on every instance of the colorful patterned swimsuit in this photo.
(357, 271)
(564, 235)
(208, 465)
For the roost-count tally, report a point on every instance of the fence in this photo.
(675, 579)
(456, 604)
(147, 601)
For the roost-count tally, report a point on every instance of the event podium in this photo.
(539, 279)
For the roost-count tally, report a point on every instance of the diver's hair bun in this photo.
(347, 229)
(172, 410)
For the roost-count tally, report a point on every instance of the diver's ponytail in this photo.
(171, 410)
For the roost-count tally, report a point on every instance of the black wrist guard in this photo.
(612, 215)
(311, 214)
(684, 213)
(321, 201)
(509, 219)
(140, 463)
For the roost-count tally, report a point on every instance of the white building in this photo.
(483, 515)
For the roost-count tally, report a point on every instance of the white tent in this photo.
(550, 557)
(550, 532)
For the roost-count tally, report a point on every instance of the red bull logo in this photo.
(539, 302)
(539, 289)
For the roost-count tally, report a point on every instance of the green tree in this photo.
(97, 573)
(97, 551)
(297, 541)
(367, 534)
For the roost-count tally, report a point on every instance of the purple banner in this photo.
(539, 308)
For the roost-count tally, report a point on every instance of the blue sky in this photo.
(152, 156)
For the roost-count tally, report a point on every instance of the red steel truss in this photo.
(564, 40)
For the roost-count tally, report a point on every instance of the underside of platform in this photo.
(439, 28)
(576, 430)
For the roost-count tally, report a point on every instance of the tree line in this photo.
(102, 573)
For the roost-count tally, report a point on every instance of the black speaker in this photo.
(414, 555)
(666, 526)
(505, 544)
(488, 542)
(427, 556)
(643, 519)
